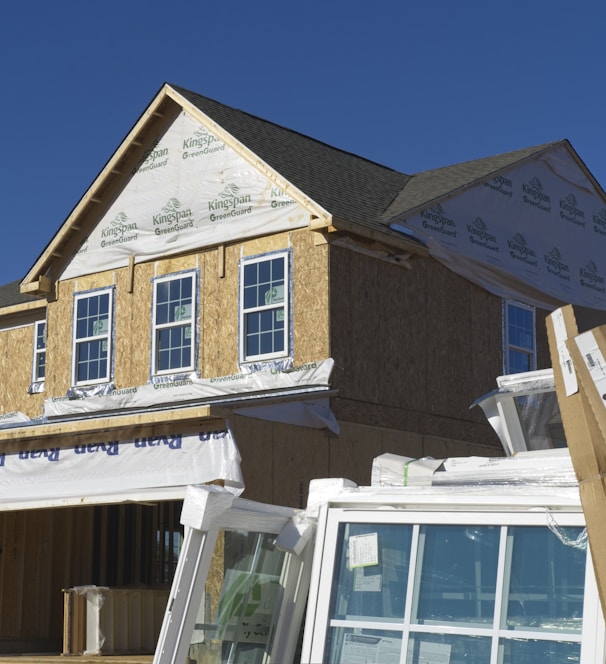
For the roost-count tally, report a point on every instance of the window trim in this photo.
(507, 346)
(173, 276)
(286, 255)
(109, 336)
(37, 352)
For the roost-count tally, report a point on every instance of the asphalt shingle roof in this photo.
(346, 185)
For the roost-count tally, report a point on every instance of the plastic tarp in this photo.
(112, 467)
(536, 233)
(191, 190)
(193, 389)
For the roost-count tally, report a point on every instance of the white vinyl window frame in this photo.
(174, 331)
(204, 517)
(265, 316)
(519, 337)
(39, 353)
(320, 622)
(93, 337)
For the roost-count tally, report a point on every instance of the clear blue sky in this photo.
(412, 85)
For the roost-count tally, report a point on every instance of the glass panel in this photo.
(448, 649)
(521, 651)
(248, 570)
(174, 347)
(541, 420)
(458, 574)
(362, 646)
(546, 586)
(92, 360)
(92, 316)
(520, 327)
(371, 570)
(519, 362)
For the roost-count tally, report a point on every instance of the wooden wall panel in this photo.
(413, 348)
(279, 460)
(16, 356)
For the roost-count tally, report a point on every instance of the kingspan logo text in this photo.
(570, 212)
(479, 235)
(556, 266)
(501, 184)
(533, 195)
(172, 218)
(155, 157)
(599, 222)
(171, 213)
(589, 277)
(201, 143)
(119, 231)
(519, 250)
(434, 219)
(230, 203)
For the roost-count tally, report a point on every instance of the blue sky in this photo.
(412, 85)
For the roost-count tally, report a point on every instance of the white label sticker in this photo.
(569, 375)
(594, 361)
(363, 550)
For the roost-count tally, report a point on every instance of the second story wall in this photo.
(216, 274)
(414, 348)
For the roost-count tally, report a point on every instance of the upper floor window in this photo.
(39, 364)
(173, 323)
(264, 307)
(92, 342)
(519, 351)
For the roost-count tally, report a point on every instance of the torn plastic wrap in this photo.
(394, 470)
(312, 375)
(544, 468)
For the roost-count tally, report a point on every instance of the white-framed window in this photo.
(39, 360)
(92, 337)
(470, 587)
(259, 611)
(173, 323)
(519, 337)
(265, 307)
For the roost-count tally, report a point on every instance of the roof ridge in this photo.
(527, 152)
(187, 93)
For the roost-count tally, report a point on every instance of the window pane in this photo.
(174, 348)
(519, 361)
(426, 648)
(371, 570)
(520, 327)
(365, 645)
(91, 360)
(92, 316)
(249, 600)
(41, 336)
(546, 586)
(458, 574)
(40, 365)
(521, 651)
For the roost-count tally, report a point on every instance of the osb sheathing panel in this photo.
(279, 460)
(411, 342)
(16, 356)
(43, 551)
